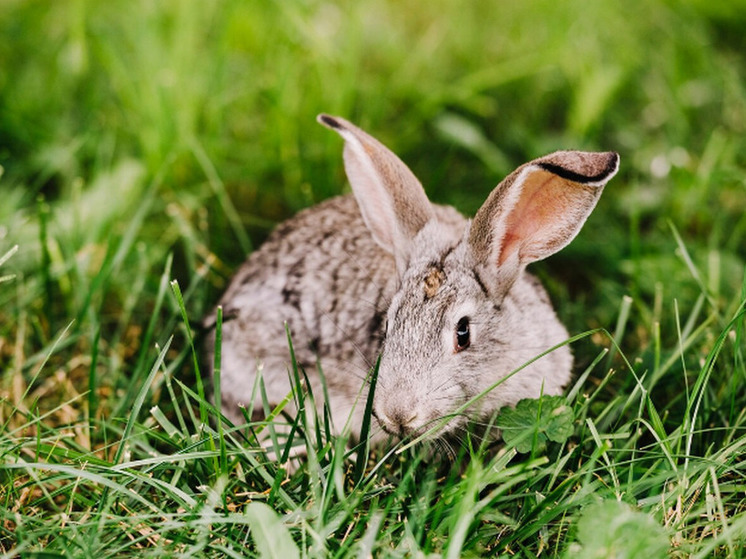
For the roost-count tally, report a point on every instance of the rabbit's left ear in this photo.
(393, 203)
(537, 210)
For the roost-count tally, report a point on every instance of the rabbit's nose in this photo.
(399, 421)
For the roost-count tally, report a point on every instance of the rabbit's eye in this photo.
(462, 341)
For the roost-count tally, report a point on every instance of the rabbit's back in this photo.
(322, 273)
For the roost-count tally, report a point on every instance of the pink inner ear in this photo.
(537, 225)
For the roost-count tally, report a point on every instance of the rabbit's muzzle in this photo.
(399, 421)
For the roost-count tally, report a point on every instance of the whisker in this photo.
(349, 338)
(442, 385)
(353, 368)
(446, 447)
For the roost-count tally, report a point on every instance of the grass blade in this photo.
(270, 535)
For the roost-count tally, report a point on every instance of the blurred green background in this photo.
(132, 130)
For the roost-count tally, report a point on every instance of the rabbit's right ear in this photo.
(391, 199)
(536, 211)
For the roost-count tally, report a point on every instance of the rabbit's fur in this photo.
(387, 272)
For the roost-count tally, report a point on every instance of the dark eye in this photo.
(462, 339)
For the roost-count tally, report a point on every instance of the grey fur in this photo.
(405, 271)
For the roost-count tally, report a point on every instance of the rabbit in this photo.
(445, 301)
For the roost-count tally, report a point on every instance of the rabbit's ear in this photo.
(536, 211)
(391, 199)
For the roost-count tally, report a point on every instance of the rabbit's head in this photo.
(465, 315)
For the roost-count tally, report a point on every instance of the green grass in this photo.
(147, 147)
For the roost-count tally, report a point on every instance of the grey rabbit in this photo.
(444, 300)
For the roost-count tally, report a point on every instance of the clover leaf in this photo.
(547, 418)
(613, 529)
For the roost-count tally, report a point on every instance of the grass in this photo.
(146, 148)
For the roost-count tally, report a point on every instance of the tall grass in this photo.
(147, 147)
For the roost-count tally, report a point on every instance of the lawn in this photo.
(147, 147)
